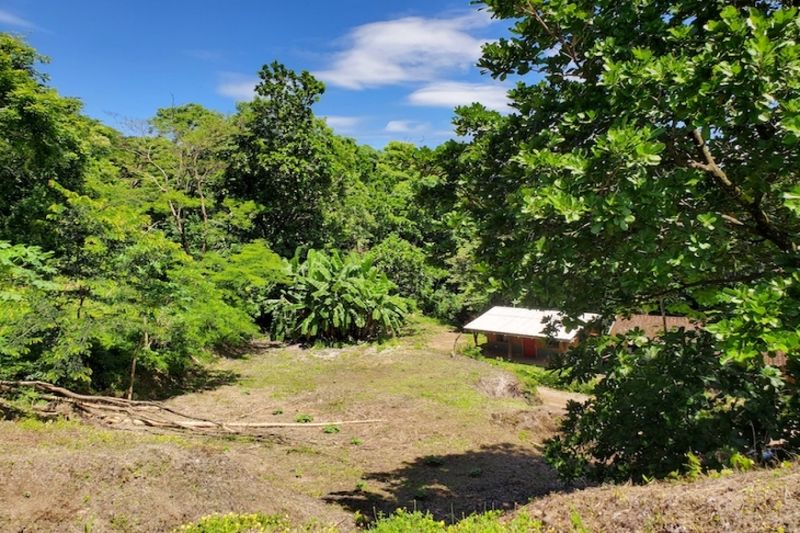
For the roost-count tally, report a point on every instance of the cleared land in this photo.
(459, 437)
(446, 445)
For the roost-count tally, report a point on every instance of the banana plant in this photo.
(334, 297)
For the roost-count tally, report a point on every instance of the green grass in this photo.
(403, 521)
(235, 523)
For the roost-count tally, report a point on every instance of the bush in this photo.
(336, 298)
(403, 521)
(406, 266)
(658, 403)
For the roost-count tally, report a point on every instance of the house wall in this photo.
(528, 346)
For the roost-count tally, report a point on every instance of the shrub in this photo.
(403, 521)
(235, 523)
(333, 297)
(659, 403)
(406, 266)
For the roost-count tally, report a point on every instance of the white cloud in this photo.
(343, 124)
(237, 86)
(453, 93)
(406, 50)
(10, 19)
(406, 126)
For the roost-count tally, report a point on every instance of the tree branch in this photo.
(763, 225)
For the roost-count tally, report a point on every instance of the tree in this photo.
(282, 159)
(40, 141)
(178, 166)
(653, 159)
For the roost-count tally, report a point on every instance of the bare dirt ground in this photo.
(445, 446)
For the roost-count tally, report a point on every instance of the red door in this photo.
(529, 347)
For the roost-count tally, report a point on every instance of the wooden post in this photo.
(475, 337)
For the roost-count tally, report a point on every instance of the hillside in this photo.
(445, 445)
(766, 500)
(449, 445)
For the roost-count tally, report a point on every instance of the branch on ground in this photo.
(119, 412)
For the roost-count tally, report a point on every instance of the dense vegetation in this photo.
(650, 163)
(125, 254)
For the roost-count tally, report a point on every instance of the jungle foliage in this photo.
(138, 255)
(648, 163)
(334, 297)
(654, 163)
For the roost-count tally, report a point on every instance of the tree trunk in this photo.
(129, 395)
(145, 346)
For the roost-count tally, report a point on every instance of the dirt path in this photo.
(557, 399)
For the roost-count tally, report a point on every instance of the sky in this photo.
(393, 70)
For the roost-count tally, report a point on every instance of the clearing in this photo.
(446, 445)
(459, 436)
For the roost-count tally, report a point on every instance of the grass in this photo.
(530, 375)
(437, 446)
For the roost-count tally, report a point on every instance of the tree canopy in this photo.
(654, 163)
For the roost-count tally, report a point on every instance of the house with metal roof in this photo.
(527, 332)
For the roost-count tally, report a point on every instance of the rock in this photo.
(501, 385)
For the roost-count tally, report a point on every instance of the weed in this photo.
(304, 419)
(403, 521)
(361, 485)
(121, 523)
(577, 522)
(257, 523)
(741, 462)
(331, 428)
(277, 412)
(694, 468)
(476, 472)
(355, 441)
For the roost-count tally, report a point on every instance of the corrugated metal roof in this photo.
(651, 325)
(523, 322)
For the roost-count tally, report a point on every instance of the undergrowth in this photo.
(530, 375)
(401, 521)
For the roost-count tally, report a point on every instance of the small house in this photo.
(530, 333)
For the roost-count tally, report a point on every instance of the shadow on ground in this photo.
(452, 486)
(196, 379)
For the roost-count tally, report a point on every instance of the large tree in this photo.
(652, 159)
(282, 158)
(41, 140)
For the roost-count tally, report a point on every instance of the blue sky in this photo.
(393, 70)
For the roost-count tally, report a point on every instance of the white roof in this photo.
(521, 322)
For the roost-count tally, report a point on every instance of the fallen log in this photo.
(110, 409)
